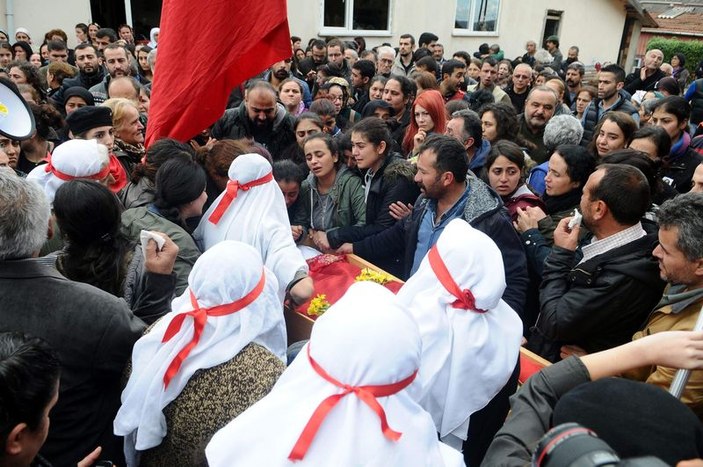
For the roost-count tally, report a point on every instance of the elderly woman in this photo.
(129, 131)
(560, 129)
(218, 351)
(334, 403)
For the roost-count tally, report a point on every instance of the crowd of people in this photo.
(525, 203)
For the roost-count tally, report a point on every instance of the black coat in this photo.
(394, 182)
(600, 303)
(485, 212)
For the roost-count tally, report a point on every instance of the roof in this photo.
(675, 18)
(636, 8)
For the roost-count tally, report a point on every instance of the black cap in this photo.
(81, 92)
(87, 118)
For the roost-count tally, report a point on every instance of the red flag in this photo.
(206, 49)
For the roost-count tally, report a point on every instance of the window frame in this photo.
(470, 33)
(348, 29)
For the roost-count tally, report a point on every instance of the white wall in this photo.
(39, 16)
(595, 26)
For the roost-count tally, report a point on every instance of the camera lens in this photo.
(571, 444)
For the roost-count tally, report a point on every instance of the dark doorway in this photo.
(146, 14)
(108, 13)
(552, 25)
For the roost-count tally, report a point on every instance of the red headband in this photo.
(464, 298)
(367, 394)
(200, 316)
(66, 178)
(233, 187)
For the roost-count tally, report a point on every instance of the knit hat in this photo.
(79, 91)
(87, 118)
(554, 39)
(635, 419)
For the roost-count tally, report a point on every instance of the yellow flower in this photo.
(373, 276)
(318, 305)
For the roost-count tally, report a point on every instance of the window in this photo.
(356, 15)
(477, 16)
(552, 24)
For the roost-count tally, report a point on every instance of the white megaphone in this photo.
(16, 118)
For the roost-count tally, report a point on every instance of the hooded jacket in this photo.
(235, 124)
(347, 195)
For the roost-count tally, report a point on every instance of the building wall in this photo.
(39, 16)
(595, 25)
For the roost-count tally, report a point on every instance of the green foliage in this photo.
(692, 50)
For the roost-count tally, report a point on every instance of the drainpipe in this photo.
(10, 19)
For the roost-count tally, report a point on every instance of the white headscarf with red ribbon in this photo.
(345, 400)
(231, 301)
(72, 160)
(252, 210)
(470, 336)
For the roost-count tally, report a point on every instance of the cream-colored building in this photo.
(604, 30)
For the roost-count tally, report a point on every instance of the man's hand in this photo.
(400, 210)
(566, 238)
(528, 218)
(161, 262)
(346, 248)
(302, 290)
(319, 238)
(297, 231)
(91, 458)
(568, 350)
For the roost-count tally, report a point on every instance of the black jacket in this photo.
(634, 83)
(598, 304)
(485, 212)
(235, 124)
(594, 114)
(678, 172)
(393, 182)
(82, 80)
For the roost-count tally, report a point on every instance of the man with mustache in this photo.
(539, 108)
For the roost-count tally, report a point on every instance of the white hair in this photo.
(543, 57)
(24, 216)
(384, 49)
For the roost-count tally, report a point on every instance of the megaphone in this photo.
(16, 118)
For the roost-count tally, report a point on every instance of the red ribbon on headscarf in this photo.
(200, 316)
(367, 394)
(464, 298)
(49, 168)
(233, 187)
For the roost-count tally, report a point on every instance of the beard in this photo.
(281, 74)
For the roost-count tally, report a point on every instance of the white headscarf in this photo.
(362, 340)
(254, 212)
(74, 159)
(153, 43)
(223, 275)
(467, 355)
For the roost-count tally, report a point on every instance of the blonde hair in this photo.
(119, 105)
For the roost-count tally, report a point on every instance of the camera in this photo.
(573, 445)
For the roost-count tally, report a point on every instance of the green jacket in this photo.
(137, 219)
(347, 194)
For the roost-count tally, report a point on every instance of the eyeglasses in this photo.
(521, 76)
